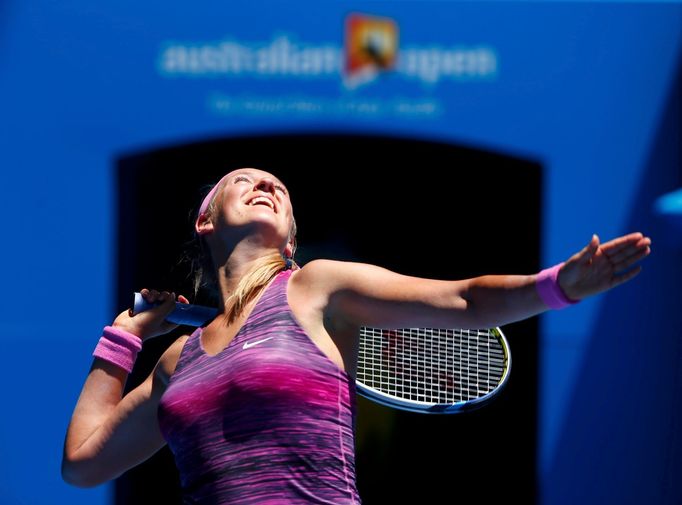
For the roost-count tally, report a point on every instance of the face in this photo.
(249, 197)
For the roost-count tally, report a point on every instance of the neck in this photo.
(233, 265)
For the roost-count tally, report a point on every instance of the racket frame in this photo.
(424, 407)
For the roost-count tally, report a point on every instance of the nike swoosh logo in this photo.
(251, 344)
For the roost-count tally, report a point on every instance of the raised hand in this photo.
(150, 323)
(600, 267)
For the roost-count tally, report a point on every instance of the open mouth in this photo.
(261, 200)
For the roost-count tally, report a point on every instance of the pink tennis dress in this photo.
(268, 420)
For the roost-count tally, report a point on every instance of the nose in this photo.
(266, 184)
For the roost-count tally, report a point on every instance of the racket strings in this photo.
(431, 365)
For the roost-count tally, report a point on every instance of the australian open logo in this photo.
(371, 49)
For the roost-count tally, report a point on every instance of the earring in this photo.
(289, 263)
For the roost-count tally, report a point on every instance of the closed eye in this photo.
(247, 179)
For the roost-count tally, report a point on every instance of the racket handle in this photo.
(184, 313)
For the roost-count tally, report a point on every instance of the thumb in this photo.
(589, 250)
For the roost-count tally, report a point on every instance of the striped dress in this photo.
(268, 420)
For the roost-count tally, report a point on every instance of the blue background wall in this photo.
(589, 89)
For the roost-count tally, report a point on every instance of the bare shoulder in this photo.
(334, 275)
(331, 287)
(362, 278)
(323, 281)
(317, 272)
(169, 359)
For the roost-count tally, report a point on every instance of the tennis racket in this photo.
(426, 370)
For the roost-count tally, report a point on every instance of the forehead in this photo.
(252, 172)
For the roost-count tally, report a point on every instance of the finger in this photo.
(182, 299)
(626, 250)
(147, 294)
(615, 245)
(159, 300)
(166, 299)
(152, 295)
(623, 248)
(627, 276)
(629, 250)
(165, 304)
(625, 238)
(626, 263)
(589, 250)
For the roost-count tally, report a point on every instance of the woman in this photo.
(257, 406)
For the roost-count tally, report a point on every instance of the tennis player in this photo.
(258, 405)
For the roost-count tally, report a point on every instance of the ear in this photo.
(203, 224)
(289, 249)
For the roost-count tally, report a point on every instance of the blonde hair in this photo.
(250, 285)
(260, 275)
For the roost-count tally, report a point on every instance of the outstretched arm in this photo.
(500, 299)
(367, 295)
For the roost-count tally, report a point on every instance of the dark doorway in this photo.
(419, 208)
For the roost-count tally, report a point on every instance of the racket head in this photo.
(432, 371)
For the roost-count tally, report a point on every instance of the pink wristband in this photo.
(547, 284)
(119, 347)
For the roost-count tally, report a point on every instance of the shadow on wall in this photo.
(621, 440)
